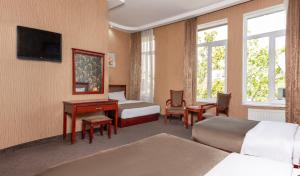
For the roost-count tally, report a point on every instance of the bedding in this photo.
(132, 108)
(120, 96)
(272, 140)
(160, 155)
(296, 153)
(243, 165)
(222, 132)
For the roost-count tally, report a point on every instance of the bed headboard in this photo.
(117, 88)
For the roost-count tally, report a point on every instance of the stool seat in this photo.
(95, 119)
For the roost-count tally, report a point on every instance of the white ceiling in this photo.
(138, 15)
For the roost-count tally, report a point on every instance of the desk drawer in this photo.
(95, 108)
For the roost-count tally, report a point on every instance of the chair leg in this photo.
(101, 130)
(166, 119)
(83, 130)
(109, 130)
(91, 133)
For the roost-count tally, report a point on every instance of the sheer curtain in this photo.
(147, 66)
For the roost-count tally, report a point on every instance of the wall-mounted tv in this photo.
(35, 44)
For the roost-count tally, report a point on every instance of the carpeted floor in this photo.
(34, 159)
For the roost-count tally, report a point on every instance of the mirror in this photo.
(88, 72)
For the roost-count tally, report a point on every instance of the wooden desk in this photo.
(195, 109)
(75, 107)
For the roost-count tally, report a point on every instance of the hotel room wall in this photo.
(120, 43)
(169, 54)
(169, 44)
(31, 91)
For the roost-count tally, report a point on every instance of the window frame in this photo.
(210, 25)
(272, 44)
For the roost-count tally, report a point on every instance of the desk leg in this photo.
(116, 120)
(73, 127)
(65, 126)
(186, 119)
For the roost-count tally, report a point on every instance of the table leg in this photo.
(192, 119)
(200, 117)
(186, 117)
(73, 128)
(116, 120)
(65, 125)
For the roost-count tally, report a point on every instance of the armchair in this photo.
(222, 105)
(175, 106)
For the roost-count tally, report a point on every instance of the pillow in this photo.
(120, 96)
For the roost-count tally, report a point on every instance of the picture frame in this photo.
(112, 60)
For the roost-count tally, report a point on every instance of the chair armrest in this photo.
(168, 102)
(184, 103)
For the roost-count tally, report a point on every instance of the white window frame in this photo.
(205, 26)
(272, 36)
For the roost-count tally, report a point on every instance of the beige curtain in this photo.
(190, 61)
(135, 66)
(293, 62)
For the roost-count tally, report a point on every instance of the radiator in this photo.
(266, 115)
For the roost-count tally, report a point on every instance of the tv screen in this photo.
(35, 44)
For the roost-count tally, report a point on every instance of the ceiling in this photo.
(139, 15)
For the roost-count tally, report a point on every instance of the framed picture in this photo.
(111, 60)
(88, 72)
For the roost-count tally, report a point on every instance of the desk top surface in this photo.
(90, 101)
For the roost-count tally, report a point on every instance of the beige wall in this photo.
(169, 53)
(169, 44)
(32, 92)
(119, 43)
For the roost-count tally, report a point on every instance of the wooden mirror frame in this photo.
(91, 53)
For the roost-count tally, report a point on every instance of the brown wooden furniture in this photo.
(93, 79)
(96, 121)
(75, 107)
(175, 106)
(222, 105)
(194, 109)
(134, 120)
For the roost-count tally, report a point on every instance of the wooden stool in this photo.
(96, 121)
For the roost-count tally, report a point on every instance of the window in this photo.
(147, 66)
(211, 64)
(264, 57)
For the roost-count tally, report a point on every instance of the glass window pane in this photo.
(266, 23)
(202, 73)
(212, 34)
(218, 70)
(279, 67)
(257, 69)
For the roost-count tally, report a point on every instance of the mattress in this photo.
(132, 108)
(162, 155)
(222, 132)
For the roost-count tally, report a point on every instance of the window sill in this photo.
(266, 104)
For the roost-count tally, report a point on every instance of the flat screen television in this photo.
(35, 44)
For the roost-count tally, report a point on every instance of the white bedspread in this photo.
(296, 155)
(136, 112)
(243, 165)
(272, 140)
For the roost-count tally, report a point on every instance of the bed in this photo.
(223, 133)
(157, 156)
(132, 112)
(274, 140)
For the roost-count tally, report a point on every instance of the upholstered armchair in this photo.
(222, 106)
(175, 106)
